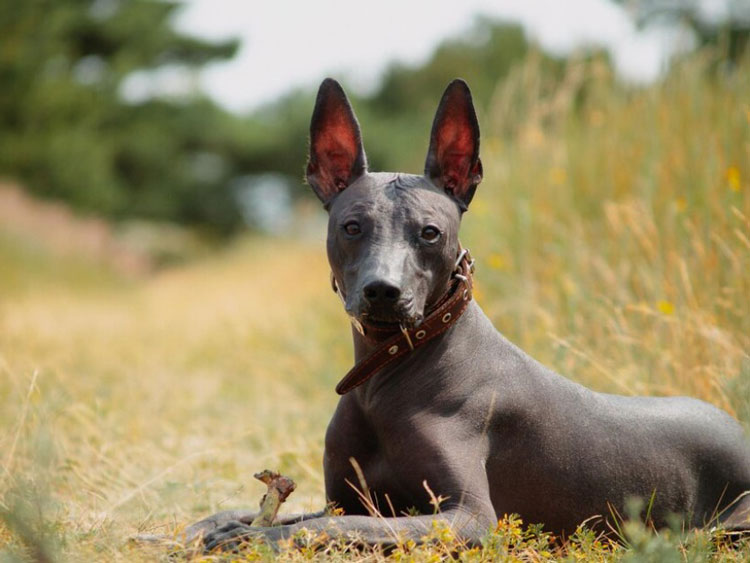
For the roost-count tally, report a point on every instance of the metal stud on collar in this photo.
(464, 252)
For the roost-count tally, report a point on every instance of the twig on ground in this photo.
(279, 489)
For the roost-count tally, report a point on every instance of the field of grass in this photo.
(613, 244)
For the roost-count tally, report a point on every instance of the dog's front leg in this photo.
(469, 527)
(240, 518)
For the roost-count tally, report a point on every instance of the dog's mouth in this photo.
(404, 314)
(393, 321)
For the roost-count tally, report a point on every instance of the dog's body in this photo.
(480, 422)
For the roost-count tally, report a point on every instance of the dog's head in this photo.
(393, 238)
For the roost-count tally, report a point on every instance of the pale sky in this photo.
(288, 43)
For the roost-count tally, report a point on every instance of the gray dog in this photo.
(440, 403)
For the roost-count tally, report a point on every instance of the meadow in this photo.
(612, 238)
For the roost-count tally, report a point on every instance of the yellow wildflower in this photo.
(733, 178)
(665, 307)
(497, 261)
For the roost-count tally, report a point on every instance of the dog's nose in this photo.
(381, 292)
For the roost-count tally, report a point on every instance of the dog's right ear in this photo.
(337, 156)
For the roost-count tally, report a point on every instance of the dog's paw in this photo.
(230, 536)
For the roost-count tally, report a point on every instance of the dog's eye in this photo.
(430, 233)
(352, 228)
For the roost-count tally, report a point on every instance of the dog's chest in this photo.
(387, 463)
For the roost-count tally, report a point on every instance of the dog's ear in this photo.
(453, 157)
(337, 156)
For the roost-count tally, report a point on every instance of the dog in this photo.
(440, 404)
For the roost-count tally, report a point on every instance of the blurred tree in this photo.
(482, 55)
(396, 118)
(402, 109)
(725, 23)
(67, 133)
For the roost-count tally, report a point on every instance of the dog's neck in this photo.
(362, 346)
(434, 366)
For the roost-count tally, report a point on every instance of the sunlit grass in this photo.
(616, 244)
(613, 244)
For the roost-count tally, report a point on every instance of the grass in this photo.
(613, 244)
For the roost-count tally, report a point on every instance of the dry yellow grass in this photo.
(170, 394)
(613, 243)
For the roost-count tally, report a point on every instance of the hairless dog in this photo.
(439, 403)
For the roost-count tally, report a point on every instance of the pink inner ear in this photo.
(455, 148)
(336, 149)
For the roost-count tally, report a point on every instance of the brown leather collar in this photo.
(395, 343)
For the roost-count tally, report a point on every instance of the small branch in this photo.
(279, 489)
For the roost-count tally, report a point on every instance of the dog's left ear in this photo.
(337, 156)
(453, 157)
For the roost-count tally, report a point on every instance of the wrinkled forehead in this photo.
(395, 195)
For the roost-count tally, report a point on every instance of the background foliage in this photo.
(612, 234)
(68, 133)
